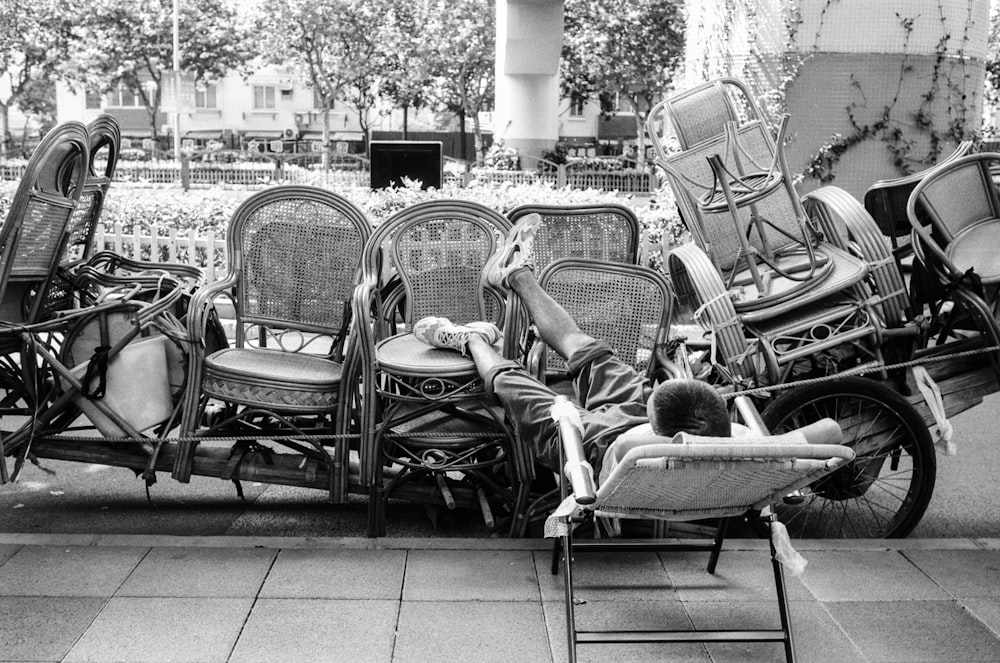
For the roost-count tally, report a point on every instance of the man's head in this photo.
(689, 406)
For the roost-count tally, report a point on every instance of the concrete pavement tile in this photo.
(985, 610)
(463, 631)
(470, 575)
(194, 572)
(869, 576)
(336, 574)
(163, 630)
(67, 570)
(815, 634)
(36, 628)
(6, 551)
(319, 631)
(620, 614)
(739, 576)
(962, 573)
(915, 631)
(607, 576)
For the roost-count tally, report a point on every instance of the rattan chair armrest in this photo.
(201, 303)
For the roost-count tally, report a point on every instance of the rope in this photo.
(861, 370)
(237, 438)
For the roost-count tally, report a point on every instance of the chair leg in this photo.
(556, 553)
(720, 535)
(567, 548)
(782, 592)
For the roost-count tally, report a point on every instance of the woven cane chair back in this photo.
(961, 194)
(105, 147)
(438, 250)
(702, 112)
(294, 254)
(629, 306)
(607, 232)
(35, 232)
(690, 176)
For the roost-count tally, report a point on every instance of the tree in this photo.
(334, 45)
(407, 76)
(993, 58)
(463, 35)
(628, 48)
(128, 44)
(33, 41)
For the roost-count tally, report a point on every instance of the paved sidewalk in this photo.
(135, 599)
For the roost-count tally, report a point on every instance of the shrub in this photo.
(159, 211)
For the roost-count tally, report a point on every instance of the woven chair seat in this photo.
(975, 247)
(285, 380)
(841, 271)
(405, 354)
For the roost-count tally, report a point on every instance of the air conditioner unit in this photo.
(290, 133)
(300, 119)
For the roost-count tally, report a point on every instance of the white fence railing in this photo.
(184, 248)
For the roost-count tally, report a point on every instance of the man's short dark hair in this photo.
(689, 406)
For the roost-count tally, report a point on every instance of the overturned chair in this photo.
(688, 478)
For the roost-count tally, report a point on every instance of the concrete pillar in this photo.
(529, 41)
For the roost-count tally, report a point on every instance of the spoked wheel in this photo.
(885, 490)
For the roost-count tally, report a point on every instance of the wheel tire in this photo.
(885, 490)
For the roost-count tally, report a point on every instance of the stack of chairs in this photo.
(775, 281)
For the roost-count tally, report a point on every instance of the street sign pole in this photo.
(177, 80)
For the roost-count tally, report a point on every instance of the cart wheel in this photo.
(885, 490)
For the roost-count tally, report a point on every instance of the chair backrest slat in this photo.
(607, 232)
(296, 252)
(629, 306)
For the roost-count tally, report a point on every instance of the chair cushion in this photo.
(976, 246)
(272, 378)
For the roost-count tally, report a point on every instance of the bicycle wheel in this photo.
(885, 490)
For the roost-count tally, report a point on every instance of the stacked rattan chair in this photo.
(430, 434)
(56, 366)
(954, 213)
(687, 478)
(774, 281)
(290, 378)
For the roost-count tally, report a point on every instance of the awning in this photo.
(207, 134)
(334, 135)
(260, 134)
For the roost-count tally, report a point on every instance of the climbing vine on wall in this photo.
(770, 33)
(889, 127)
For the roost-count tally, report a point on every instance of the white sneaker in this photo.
(443, 333)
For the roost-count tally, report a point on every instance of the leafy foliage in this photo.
(129, 43)
(628, 48)
(33, 42)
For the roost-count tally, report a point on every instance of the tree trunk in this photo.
(406, 115)
(326, 136)
(462, 143)
(4, 129)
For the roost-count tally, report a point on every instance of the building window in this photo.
(576, 104)
(124, 98)
(204, 97)
(263, 97)
(93, 100)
